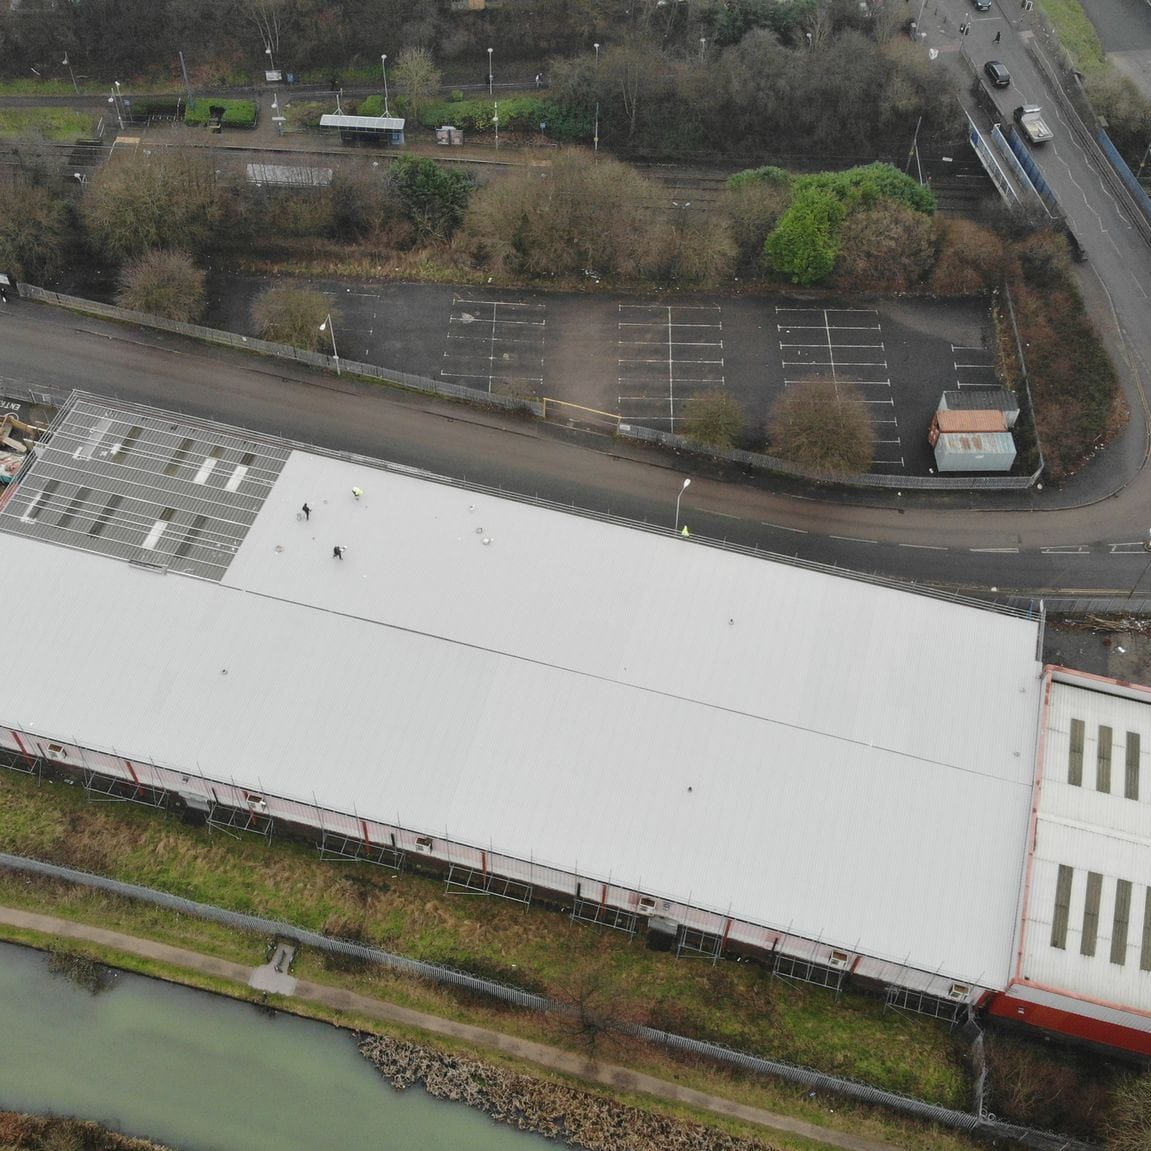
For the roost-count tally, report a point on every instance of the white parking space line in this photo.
(491, 342)
(842, 345)
(974, 367)
(667, 353)
(1136, 546)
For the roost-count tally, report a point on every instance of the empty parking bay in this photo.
(667, 354)
(496, 345)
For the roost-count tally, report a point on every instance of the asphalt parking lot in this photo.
(640, 360)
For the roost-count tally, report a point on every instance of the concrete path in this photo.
(552, 1058)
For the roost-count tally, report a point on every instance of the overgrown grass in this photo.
(47, 123)
(736, 1004)
(1076, 33)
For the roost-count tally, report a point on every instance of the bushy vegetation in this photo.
(237, 113)
(714, 419)
(805, 243)
(823, 426)
(523, 114)
(34, 231)
(293, 316)
(1073, 382)
(163, 283)
(140, 201)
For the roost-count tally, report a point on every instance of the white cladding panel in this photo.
(844, 761)
(1105, 833)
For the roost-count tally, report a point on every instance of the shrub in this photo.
(886, 247)
(970, 259)
(804, 244)
(434, 198)
(292, 316)
(518, 114)
(823, 426)
(237, 113)
(163, 283)
(714, 419)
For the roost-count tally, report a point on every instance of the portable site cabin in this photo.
(971, 441)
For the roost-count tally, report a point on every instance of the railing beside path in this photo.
(801, 1076)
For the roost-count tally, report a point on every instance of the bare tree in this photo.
(416, 73)
(824, 426)
(168, 199)
(264, 15)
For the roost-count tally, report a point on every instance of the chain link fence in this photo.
(812, 1081)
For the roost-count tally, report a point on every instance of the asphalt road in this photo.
(1031, 549)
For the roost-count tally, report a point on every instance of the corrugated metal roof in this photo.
(289, 175)
(1093, 831)
(980, 399)
(858, 757)
(374, 123)
(971, 420)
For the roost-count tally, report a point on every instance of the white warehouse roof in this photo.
(847, 761)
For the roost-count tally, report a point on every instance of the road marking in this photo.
(1066, 550)
(853, 539)
(785, 528)
(995, 551)
(1134, 548)
(925, 547)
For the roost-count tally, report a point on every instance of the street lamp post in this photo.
(596, 47)
(326, 326)
(596, 137)
(80, 178)
(384, 68)
(702, 48)
(70, 72)
(489, 71)
(496, 121)
(686, 485)
(114, 100)
(271, 61)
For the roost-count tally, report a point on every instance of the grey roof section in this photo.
(145, 486)
(980, 400)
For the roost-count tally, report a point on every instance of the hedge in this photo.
(237, 113)
(517, 114)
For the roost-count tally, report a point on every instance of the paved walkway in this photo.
(605, 1074)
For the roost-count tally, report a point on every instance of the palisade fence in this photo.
(535, 406)
(812, 1081)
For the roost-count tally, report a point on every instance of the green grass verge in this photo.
(1076, 33)
(47, 123)
(739, 1005)
(237, 113)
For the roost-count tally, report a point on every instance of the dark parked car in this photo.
(982, 5)
(998, 75)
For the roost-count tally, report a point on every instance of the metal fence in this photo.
(801, 1076)
(537, 407)
(285, 352)
(775, 464)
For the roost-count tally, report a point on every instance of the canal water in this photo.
(203, 1073)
